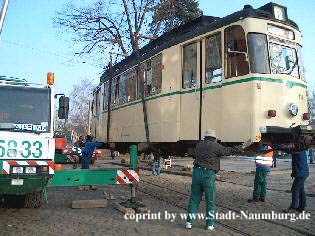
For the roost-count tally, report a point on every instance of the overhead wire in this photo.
(69, 59)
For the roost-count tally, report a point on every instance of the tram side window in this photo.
(190, 65)
(122, 89)
(147, 78)
(93, 105)
(151, 74)
(131, 85)
(258, 53)
(115, 92)
(213, 59)
(140, 80)
(235, 51)
(97, 101)
(105, 96)
(156, 76)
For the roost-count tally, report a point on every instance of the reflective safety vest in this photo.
(266, 158)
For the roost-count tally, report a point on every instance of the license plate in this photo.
(17, 181)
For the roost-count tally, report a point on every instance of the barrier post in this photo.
(133, 165)
(133, 157)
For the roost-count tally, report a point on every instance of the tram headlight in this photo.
(263, 129)
(293, 109)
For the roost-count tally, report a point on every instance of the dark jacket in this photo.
(88, 149)
(208, 154)
(299, 164)
(299, 159)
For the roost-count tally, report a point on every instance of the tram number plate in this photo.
(17, 181)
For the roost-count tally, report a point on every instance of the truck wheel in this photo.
(34, 199)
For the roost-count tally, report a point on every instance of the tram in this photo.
(231, 74)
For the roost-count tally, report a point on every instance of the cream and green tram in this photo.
(231, 74)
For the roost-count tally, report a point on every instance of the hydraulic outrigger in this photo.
(102, 177)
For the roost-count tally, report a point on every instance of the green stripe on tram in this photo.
(289, 84)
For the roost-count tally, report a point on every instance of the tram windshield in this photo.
(282, 56)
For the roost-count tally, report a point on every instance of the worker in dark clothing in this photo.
(157, 164)
(206, 164)
(87, 151)
(300, 172)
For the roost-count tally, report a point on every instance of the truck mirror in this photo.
(63, 110)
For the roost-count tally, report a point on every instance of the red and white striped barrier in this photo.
(6, 165)
(127, 176)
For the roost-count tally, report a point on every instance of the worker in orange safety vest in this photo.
(263, 166)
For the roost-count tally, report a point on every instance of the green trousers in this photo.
(203, 180)
(260, 184)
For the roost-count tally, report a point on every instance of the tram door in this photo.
(211, 74)
(190, 92)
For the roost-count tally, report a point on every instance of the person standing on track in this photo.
(157, 164)
(300, 172)
(263, 165)
(87, 151)
(206, 164)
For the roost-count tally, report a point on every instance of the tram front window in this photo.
(283, 60)
(258, 53)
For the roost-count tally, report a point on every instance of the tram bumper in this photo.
(301, 135)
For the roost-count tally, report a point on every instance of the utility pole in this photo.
(110, 88)
(141, 78)
(3, 12)
(88, 129)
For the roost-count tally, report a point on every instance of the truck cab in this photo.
(27, 145)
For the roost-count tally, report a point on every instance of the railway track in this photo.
(245, 185)
(178, 198)
(269, 189)
(151, 194)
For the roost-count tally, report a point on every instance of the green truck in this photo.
(27, 145)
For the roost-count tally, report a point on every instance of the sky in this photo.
(31, 46)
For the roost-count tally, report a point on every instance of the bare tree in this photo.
(80, 96)
(169, 14)
(120, 25)
(107, 25)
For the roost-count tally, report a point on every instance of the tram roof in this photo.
(191, 29)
